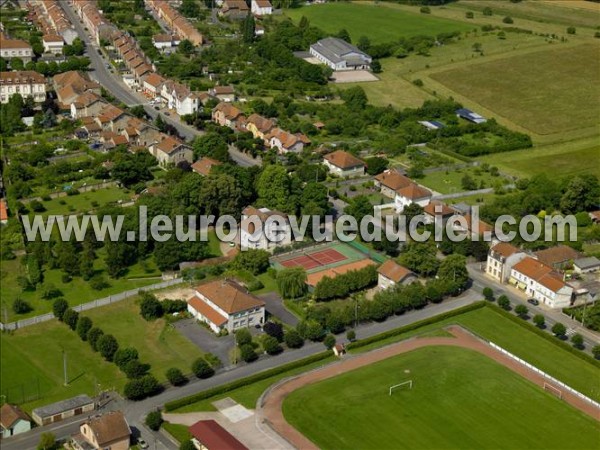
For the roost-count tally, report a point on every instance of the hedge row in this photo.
(415, 325)
(175, 404)
(545, 335)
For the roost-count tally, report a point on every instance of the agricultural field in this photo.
(32, 356)
(547, 92)
(567, 159)
(460, 399)
(378, 22)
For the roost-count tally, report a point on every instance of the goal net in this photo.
(404, 385)
(553, 390)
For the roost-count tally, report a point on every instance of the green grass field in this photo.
(547, 92)
(565, 159)
(82, 203)
(378, 22)
(33, 355)
(460, 399)
(450, 182)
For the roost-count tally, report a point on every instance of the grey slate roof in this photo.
(587, 263)
(335, 49)
(62, 406)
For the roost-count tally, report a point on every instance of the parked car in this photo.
(533, 301)
(142, 443)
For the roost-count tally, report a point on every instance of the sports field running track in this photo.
(269, 407)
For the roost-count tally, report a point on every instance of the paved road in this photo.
(275, 306)
(206, 339)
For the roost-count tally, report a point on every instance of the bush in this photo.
(202, 369)
(135, 369)
(124, 355)
(488, 294)
(59, 307)
(311, 329)
(425, 10)
(271, 345)
(577, 340)
(508, 19)
(247, 353)
(84, 325)
(487, 11)
(596, 351)
(20, 306)
(213, 360)
(141, 388)
(150, 307)
(173, 306)
(570, 30)
(93, 336)
(243, 337)
(98, 282)
(418, 82)
(559, 330)
(37, 206)
(539, 320)
(521, 311)
(329, 341)
(351, 335)
(154, 420)
(187, 445)
(274, 329)
(254, 261)
(70, 318)
(293, 339)
(255, 285)
(504, 302)
(175, 376)
(107, 345)
(469, 14)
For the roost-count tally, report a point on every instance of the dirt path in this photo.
(270, 410)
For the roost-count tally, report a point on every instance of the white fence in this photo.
(546, 376)
(90, 305)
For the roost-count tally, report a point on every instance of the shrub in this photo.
(329, 341)
(418, 82)
(243, 337)
(135, 369)
(508, 19)
(247, 353)
(175, 376)
(469, 14)
(150, 307)
(488, 294)
(487, 11)
(521, 311)
(425, 10)
(570, 30)
(70, 317)
(255, 285)
(187, 445)
(124, 355)
(173, 306)
(107, 345)
(293, 339)
(59, 307)
(351, 335)
(93, 336)
(311, 329)
(98, 282)
(154, 420)
(202, 369)
(271, 345)
(504, 302)
(254, 261)
(213, 360)
(141, 388)
(38, 206)
(84, 325)
(20, 306)
(274, 329)
(539, 320)
(577, 340)
(559, 330)
(596, 351)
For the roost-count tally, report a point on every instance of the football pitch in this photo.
(460, 399)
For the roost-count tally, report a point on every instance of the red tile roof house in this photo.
(344, 164)
(13, 420)
(108, 431)
(389, 181)
(392, 273)
(171, 151)
(558, 257)
(413, 193)
(286, 142)
(204, 166)
(223, 93)
(3, 212)
(436, 209)
(209, 435)
(226, 305)
(541, 282)
(227, 115)
(501, 259)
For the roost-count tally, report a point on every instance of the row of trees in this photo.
(341, 285)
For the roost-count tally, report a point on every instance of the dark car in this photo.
(533, 301)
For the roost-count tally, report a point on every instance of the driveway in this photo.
(205, 339)
(275, 306)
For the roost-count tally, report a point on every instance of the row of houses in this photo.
(132, 57)
(540, 274)
(227, 115)
(51, 19)
(178, 24)
(15, 48)
(98, 26)
(239, 9)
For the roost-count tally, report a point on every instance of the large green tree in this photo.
(291, 282)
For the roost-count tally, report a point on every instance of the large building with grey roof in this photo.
(340, 55)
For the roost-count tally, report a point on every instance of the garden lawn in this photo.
(547, 92)
(82, 203)
(378, 22)
(158, 344)
(449, 182)
(179, 432)
(32, 357)
(460, 399)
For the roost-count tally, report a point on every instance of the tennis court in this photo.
(319, 257)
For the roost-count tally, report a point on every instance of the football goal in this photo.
(553, 390)
(405, 384)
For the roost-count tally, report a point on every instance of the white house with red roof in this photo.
(391, 273)
(344, 164)
(413, 193)
(501, 259)
(226, 305)
(541, 282)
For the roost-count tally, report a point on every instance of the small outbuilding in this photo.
(586, 265)
(64, 409)
(13, 420)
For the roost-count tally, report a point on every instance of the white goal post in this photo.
(554, 390)
(399, 385)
